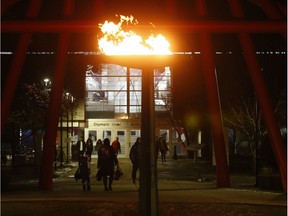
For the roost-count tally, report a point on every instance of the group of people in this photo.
(107, 160)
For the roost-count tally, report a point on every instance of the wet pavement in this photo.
(184, 188)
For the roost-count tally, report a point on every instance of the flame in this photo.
(116, 41)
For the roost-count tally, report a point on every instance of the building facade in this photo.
(112, 108)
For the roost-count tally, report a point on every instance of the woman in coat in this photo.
(106, 162)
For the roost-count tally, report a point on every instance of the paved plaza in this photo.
(184, 188)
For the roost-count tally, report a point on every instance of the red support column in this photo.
(270, 9)
(222, 171)
(262, 96)
(46, 172)
(17, 64)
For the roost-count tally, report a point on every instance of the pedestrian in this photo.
(162, 148)
(116, 146)
(98, 145)
(89, 148)
(84, 166)
(106, 161)
(81, 147)
(135, 158)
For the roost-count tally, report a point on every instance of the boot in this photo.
(84, 187)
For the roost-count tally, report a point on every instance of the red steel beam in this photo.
(46, 171)
(179, 26)
(17, 64)
(262, 96)
(222, 171)
(270, 9)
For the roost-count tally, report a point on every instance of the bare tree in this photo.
(246, 118)
(31, 113)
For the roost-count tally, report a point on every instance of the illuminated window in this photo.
(116, 90)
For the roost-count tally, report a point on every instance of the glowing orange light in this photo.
(116, 41)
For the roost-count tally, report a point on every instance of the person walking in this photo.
(116, 146)
(84, 166)
(162, 148)
(135, 158)
(98, 145)
(106, 161)
(89, 148)
(81, 147)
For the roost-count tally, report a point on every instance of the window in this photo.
(116, 89)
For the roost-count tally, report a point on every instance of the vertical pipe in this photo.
(128, 92)
(148, 191)
(72, 119)
(17, 64)
(256, 140)
(222, 172)
(61, 140)
(46, 172)
(67, 131)
(262, 96)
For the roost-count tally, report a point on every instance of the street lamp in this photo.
(46, 81)
(61, 139)
(72, 119)
(47, 85)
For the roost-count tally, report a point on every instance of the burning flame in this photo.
(115, 41)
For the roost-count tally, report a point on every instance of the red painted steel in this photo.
(178, 26)
(270, 9)
(222, 172)
(46, 172)
(17, 64)
(262, 96)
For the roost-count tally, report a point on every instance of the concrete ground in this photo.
(184, 188)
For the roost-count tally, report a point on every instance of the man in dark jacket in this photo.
(135, 158)
(84, 166)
